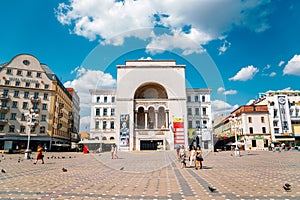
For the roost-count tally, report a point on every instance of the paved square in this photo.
(151, 175)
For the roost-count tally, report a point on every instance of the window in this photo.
(19, 73)
(264, 129)
(112, 112)
(203, 98)
(36, 95)
(37, 85)
(275, 123)
(97, 111)
(189, 111)
(250, 119)
(276, 130)
(23, 117)
(15, 104)
(18, 83)
(275, 113)
(105, 99)
(2, 116)
(113, 99)
(38, 74)
(204, 111)
(42, 129)
(25, 105)
(16, 93)
(13, 116)
(104, 125)
(196, 98)
(5, 93)
(190, 124)
(1, 128)
(46, 86)
(189, 99)
(27, 84)
(44, 106)
(26, 62)
(26, 95)
(43, 118)
(29, 73)
(197, 124)
(105, 112)
(22, 129)
(45, 96)
(8, 71)
(11, 129)
(251, 129)
(197, 111)
(32, 129)
(97, 125)
(112, 125)
(7, 82)
(98, 99)
(262, 119)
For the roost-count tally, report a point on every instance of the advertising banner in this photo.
(178, 124)
(124, 130)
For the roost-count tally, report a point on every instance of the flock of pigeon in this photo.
(49, 157)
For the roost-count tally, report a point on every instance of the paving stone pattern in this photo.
(151, 175)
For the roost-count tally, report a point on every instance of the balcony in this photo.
(59, 126)
(4, 97)
(35, 100)
(60, 115)
(3, 121)
(4, 109)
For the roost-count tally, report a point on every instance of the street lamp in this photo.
(31, 122)
(236, 149)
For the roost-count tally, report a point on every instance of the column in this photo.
(166, 119)
(146, 120)
(135, 119)
(156, 119)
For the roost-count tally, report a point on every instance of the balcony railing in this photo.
(4, 109)
(3, 121)
(35, 100)
(4, 97)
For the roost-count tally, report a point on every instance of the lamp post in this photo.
(30, 123)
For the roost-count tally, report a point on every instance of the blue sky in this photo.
(237, 48)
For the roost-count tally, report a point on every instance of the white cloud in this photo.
(224, 47)
(246, 73)
(228, 92)
(272, 74)
(87, 79)
(281, 63)
(103, 20)
(293, 66)
(221, 107)
(85, 123)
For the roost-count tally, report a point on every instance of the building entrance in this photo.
(150, 144)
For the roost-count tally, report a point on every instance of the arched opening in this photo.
(104, 138)
(111, 138)
(151, 91)
(161, 117)
(151, 118)
(141, 118)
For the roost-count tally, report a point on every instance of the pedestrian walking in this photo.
(115, 153)
(192, 156)
(199, 158)
(39, 155)
(182, 157)
(112, 150)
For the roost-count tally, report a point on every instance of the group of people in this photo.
(114, 151)
(192, 156)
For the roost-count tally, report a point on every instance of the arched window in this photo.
(161, 117)
(111, 138)
(141, 118)
(151, 118)
(104, 138)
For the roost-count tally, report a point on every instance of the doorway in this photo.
(149, 144)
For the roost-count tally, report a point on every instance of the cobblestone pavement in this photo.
(151, 175)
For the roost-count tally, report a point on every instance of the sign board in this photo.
(178, 124)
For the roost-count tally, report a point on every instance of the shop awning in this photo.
(285, 139)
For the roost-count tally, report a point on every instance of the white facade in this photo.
(150, 96)
(102, 124)
(199, 117)
(284, 113)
